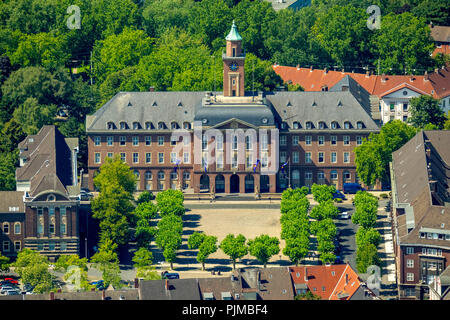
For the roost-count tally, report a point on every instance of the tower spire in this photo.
(233, 60)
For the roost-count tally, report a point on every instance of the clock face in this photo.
(234, 66)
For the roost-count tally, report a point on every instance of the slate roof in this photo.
(11, 199)
(183, 107)
(413, 171)
(293, 4)
(320, 106)
(142, 107)
(179, 289)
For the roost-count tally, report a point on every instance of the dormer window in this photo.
(149, 125)
(296, 125)
(289, 104)
(339, 103)
(136, 126)
(161, 126)
(347, 125)
(110, 126)
(334, 125)
(174, 125)
(186, 126)
(309, 125)
(283, 125)
(51, 198)
(180, 104)
(123, 125)
(322, 125)
(314, 104)
(360, 125)
(154, 104)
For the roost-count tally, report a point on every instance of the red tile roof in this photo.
(440, 80)
(315, 79)
(333, 282)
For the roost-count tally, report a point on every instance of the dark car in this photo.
(338, 195)
(85, 196)
(352, 188)
(172, 275)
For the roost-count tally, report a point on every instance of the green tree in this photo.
(4, 263)
(168, 237)
(369, 235)
(207, 245)
(33, 116)
(343, 33)
(65, 261)
(234, 247)
(403, 44)
(114, 207)
(366, 208)
(8, 171)
(366, 255)
(106, 261)
(322, 192)
(260, 75)
(32, 268)
(117, 52)
(426, 110)
(294, 194)
(264, 247)
(143, 258)
(307, 296)
(325, 209)
(146, 210)
(373, 156)
(144, 233)
(170, 202)
(297, 248)
(145, 196)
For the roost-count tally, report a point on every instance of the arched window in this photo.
(17, 228)
(174, 125)
(347, 125)
(148, 175)
(322, 125)
(186, 126)
(173, 175)
(360, 125)
(161, 126)
(51, 198)
(110, 125)
(309, 125)
(6, 227)
(333, 175)
(296, 125)
(334, 125)
(161, 175)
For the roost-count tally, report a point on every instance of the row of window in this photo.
(425, 251)
(219, 141)
(135, 159)
(161, 175)
(147, 126)
(17, 228)
(323, 125)
(320, 140)
(51, 215)
(434, 236)
(320, 157)
(7, 246)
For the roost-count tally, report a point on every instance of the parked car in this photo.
(12, 292)
(99, 285)
(11, 280)
(352, 188)
(345, 215)
(6, 289)
(338, 195)
(85, 196)
(28, 287)
(171, 275)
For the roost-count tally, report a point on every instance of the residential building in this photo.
(420, 172)
(43, 213)
(440, 287)
(291, 4)
(440, 80)
(441, 37)
(156, 132)
(330, 282)
(389, 95)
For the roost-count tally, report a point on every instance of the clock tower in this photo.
(233, 65)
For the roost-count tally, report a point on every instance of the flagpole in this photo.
(289, 172)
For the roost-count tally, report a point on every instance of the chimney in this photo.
(52, 296)
(311, 69)
(367, 74)
(383, 78)
(343, 71)
(136, 283)
(411, 78)
(298, 67)
(425, 76)
(103, 294)
(167, 284)
(306, 274)
(325, 70)
(436, 70)
(428, 151)
(151, 89)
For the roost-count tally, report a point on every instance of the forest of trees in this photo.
(176, 45)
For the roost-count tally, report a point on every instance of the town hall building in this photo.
(233, 141)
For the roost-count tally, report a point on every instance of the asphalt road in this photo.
(347, 232)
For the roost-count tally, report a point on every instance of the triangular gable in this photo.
(402, 86)
(229, 121)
